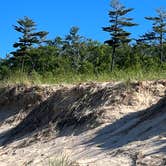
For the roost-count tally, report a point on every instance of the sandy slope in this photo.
(93, 124)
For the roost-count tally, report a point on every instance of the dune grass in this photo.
(61, 161)
(72, 78)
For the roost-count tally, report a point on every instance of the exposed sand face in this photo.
(93, 124)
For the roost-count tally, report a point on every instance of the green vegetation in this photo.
(157, 36)
(74, 58)
(62, 161)
(118, 35)
(68, 78)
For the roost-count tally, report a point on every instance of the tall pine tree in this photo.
(27, 27)
(159, 30)
(29, 38)
(73, 45)
(118, 22)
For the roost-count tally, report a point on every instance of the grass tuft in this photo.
(62, 161)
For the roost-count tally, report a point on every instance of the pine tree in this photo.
(73, 45)
(148, 38)
(27, 27)
(159, 30)
(118, 22)
(29, 38)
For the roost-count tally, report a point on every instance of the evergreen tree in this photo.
(159, 30)
(56, 42)
(148, 39)
(116, 29)
(147, 44)
(29, 38)
(73, 45)
(27, 27)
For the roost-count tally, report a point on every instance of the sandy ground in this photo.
(132, 132)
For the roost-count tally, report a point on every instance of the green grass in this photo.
(71, 78)
(62, 161)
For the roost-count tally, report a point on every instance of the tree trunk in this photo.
(161, 47)
(113, 58)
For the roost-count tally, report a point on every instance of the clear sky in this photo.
(58, 16)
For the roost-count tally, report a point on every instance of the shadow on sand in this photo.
(67, 108)
(137, 126)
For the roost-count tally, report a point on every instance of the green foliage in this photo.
(26, 27)
(61, 161)
(130, 74)
(29, 38)
(157, 37)
(118, 22)
(75, 58)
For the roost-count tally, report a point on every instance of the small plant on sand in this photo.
(61, 161)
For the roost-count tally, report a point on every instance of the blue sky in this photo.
(58, 16)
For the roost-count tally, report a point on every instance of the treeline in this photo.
(79, 55)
